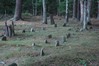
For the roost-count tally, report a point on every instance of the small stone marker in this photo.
(64, 25)
(63, 39)
(23, 31)
(33, 44)
(43, 28)
(32, 30)
(57, 43)
(42, 52)
(13, 64)
(50, 36)
(68, 35)
(4, 38)
(55, 25)
(46, 42)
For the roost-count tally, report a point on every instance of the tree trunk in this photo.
(58, 10)
(74, 9)
(66, 17)
(52, 19)
(98, 11)
(78, 10)
(81, 10)
(44, 12)
(85, 15)
(18, 10)
(9, 30)
(88, 11)
(35, 7)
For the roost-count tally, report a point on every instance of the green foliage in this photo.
(52, 6)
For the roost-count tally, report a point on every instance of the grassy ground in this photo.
(81, 49)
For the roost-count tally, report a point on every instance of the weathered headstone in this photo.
(4, 38)
(46, 42)
(13, 64)
(23, 31)
(32, 30)
(63, 39)
(68, 35)
(43, 28)
(42, 52)
(50, 36)
(64, 25)
(33, 44)
(57, 43)
(55, 25)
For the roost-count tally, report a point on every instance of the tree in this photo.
(44, 12)
(98, 11)
(83, 4)
(18, 10)
(52, 8)
(74, 9)
(88, 11)
(67, 14)
(81, 10)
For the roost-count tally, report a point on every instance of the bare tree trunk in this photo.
(44, 12)
(78, 10)
(74, 9)
(98, 11)
(88, 11)
(18, 10)
(81, 10)
(59, 1)
(66, 17)
(35, 7)
(52, 19)
(9, 30)
(84, 15)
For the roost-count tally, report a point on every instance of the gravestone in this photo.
(42, 52)
(32, 30)
(50, 36)
(13, 64)
(55, 25)
(68, 35)
(23, 31)
(4, 38)
(57, 43)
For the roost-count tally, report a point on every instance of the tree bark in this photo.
(78, 10)
(35, 7)
(18, 10)
(81, 10)
(74, 9)
(98, 11)
(85, 15)
(88, 11)
(66, 16)
(44, 12)
(52, 19)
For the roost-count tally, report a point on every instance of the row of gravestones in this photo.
(56, 44)
(43, 28)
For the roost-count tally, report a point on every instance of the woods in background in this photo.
(82, 10)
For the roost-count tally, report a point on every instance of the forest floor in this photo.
(80, 49)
